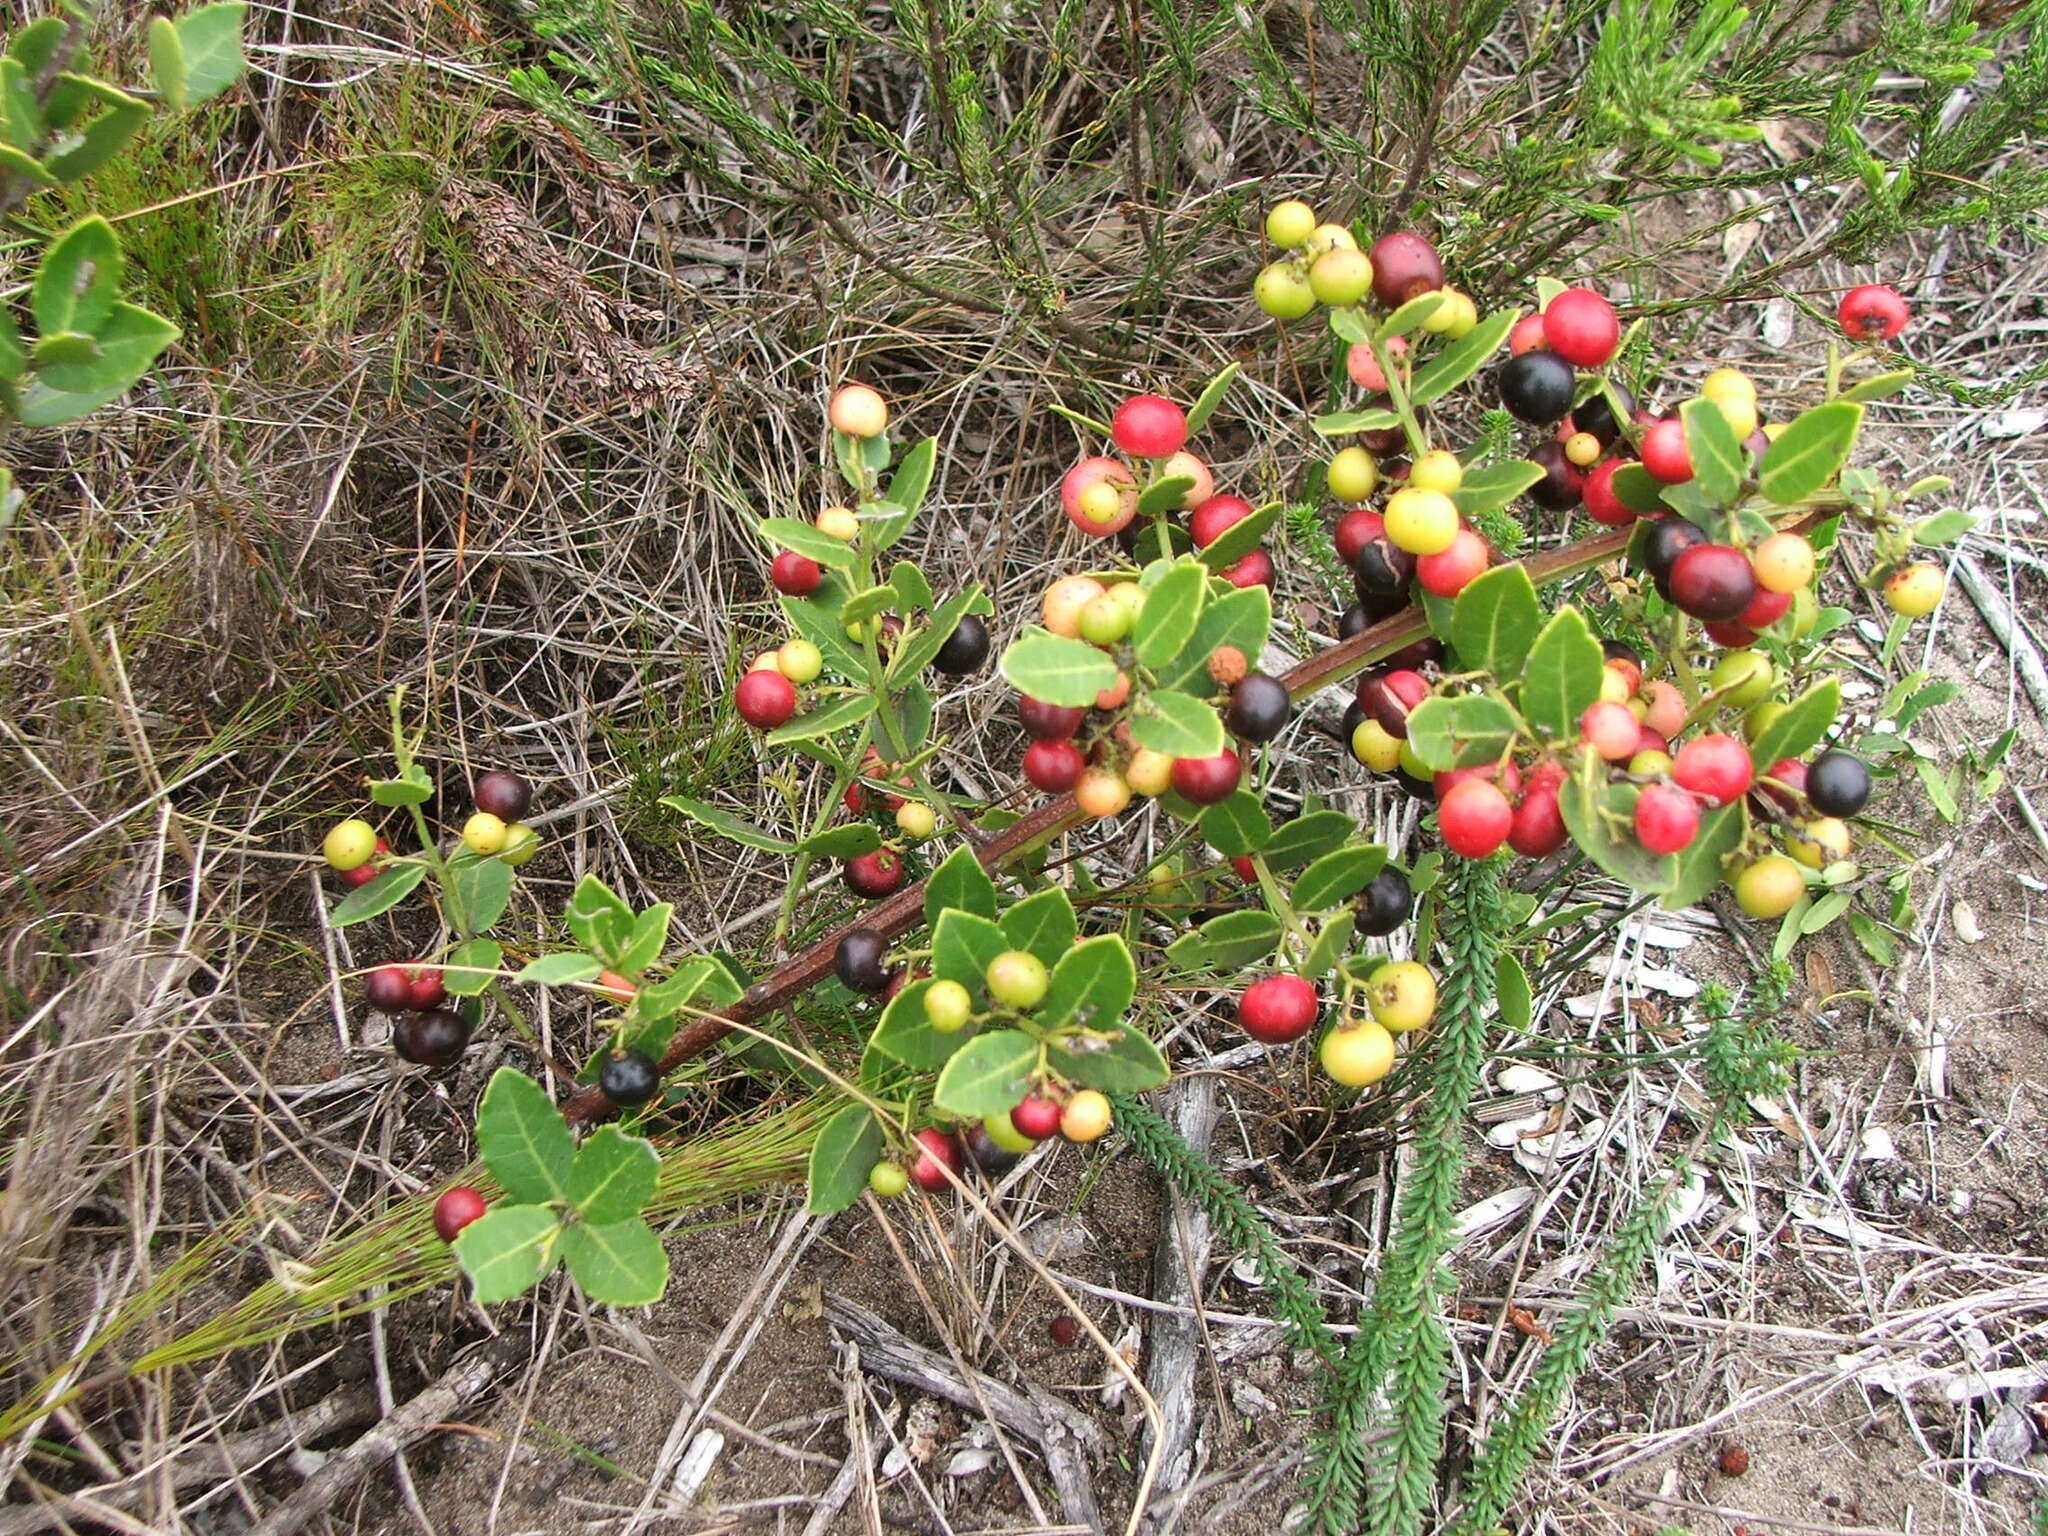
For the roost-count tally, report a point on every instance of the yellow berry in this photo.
(1290, 224)
(484, 834)
(839, 523)
(1357, 1055)
(1354, 475)
(350, 844)
(1437, 470)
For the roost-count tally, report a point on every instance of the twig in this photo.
(1178, 1266)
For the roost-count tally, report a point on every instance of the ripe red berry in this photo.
(1765, 609)
(1505, 775)
(1714, 767)
(456, 1209)
(765, 699)
(1474, 818)
(874, 875)
(1246, 870)
(1036, 1116)
(1873, 312)
(365, 872)
(1064, 1330)
(424, 987)
(1207, 780)
(1527, 336)
(1149, 427)
(1730, 635)
(1667, 537)
(937, 1151)
(1782, 785)
(1404, 265)
(388, 988)
(795, 575)
(1278, 1009)
(1054, 766)
(1712, 581)
(1048, 722)
(1254, 570)
(1456, 568)
(1355, 530)
(1665, 452)
(1581, 327)
(1538, 829)
(1597, 495)
(1667, 819)
(1206, 524)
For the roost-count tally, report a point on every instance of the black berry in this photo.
(1664, 540)
(505, 794)
(1562, 486)
(1593, 415)
(1259, 707)
(1712, 581)
(1537, 387)
(1382, 571)
(1385, 904)
(1837, 784)
(858, 961)
(984, 1152)
(433, 1039)
(965, 649)
(1354, 621)
(628, 1078)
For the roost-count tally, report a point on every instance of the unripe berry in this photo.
(1282, 291)
(484, 834)
(1915, 590)
(1357, 1054)
(1354, 474)
(858, 411)
(1060, 611)
(1086, 1117)
(1421, 521)
(349, 845)
(1402, 995)
(1102, 793)
(839, 523)
(1290, 224)
(1340, 278)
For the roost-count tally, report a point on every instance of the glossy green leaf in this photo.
(1719, 461)
(914, 654)
(601, 922)
(1598, 815)
(1637, 489)
(1237, 825)
(560, 970)
(471, 967)
(988, 1075)
(912, 481)
(102, 138)
(844, 842)
(1878, 386)
(21, 118)
(1344, 423)
(1164, 497)
(210, 37)
(1211, 396)
(1511, 992)
(1058, 671)
(960, 884)
(839, 715)
(14, 162)
(1495, 620)
(476, 891)
(1492, 487)
(1042, 924)
(1943, 527)
(1125, 1062)
(1462, 732)
(1092, 985)
(906, 1035)
(804, 538)
(845, 1152)
(1176, 724)
(379, 896)
(414, 789)
(618, 1265)
(1239, 539)
(167, 63)
(728, 825)
(129, 340)
(1409, 318)
(523, 1139)
(649, 936)
(1227, 942)
(13, 356)
(1172, 613)
(506, 1250)
(613, 1176)
(1308, 836)
(1337, 877)
(1331, 944)
(962, 947)
(1562, 675)
(1802, 724)
(1698, 865)
(1810, 451)
(1461, 359)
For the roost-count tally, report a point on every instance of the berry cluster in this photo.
(1323, 265)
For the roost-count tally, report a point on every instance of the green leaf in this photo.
(1878, 386)
(104, 137)
(1810, 451)
(506, 1250)
(211, 38)
(1511, 992)
(643, 946)
(619, 1265)
(1801, 725)
(1464, 732)
(35, 45)
(1699, 862)
(476, 891)
(1599, 817)
(1211, 396)
(912, 481)
(1343, 423)
(913, 592)
(13, 359)
(1337, 877)
(414, 789)
(1238, 825)
(21, 117)
(1239, 539)
(1944, 527)
(839, 715)
(524, 1142)
(470, 968)
(1638, 490)
(847, 842)
(959, 884)
(14, 163)
(1718, 457)
(379, 896)
(1308, 836)
(1460, 360)
(962, 947)
(988, 1075)
(1172, 613)
(804, 538)
(744, 833)
(560, 970)
(1092, 985)
(816, 618)
(1410, 316)
(866, 604)
(906, 1035)
(1330, 946)
(613, 1176)
(167, 63)
(129, 341)
(1238, 618)
(65, 358)
(1493, 487)
(1495, 620)
(1823, 912)
(1166, 496)
(1042, 924)
(1125, 1062)
(1876, 941)
(601, 922)
(1176, 724)
(1227, 941)
(916, 653)
(1561, 678)
(845, 1152)
(1056, 670)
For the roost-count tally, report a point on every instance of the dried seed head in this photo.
(1228, 666)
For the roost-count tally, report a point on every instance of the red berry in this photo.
(1355, 530)
(1207, 780)
(388, 988)
(1667, 819)
(874, 875)
(1610, 730)
(1665, 452)
(1506, 775)
(1036, 1116)
(1873, 312)
(1712, 581)
(1054, 766)
(424, 987)
(1254, 570)
(1064, 1331)
(1403, 265)
(1648, 740)
(1278, 1009)
(1048, 722)
(1538, 829)
(364, 873)
(1474, 818)
(1730, 635)
(1597, 494)
(1449, 573)
(456, 1209)
(1085, 476)
(1208, 521)
(1581, 327)
(1714, 767)
(765, 699)
(937, 1151)
(795, 575)
(1765, 609)
(1527, 336)
(1149, 427)
(1783, 785)
(1247, 871)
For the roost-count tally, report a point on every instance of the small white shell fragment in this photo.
(1587, 1007)
(1878, 1146)
(1657, 936)
(1671, 983)
(1494, 1211)
(1778, 323)
(1692, 1199)
(697, 1462)
(1519, 1077)
(975, 1458)
(1540, 1153)
(1964, 918)
(1510, 1133)
(2014, 423)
